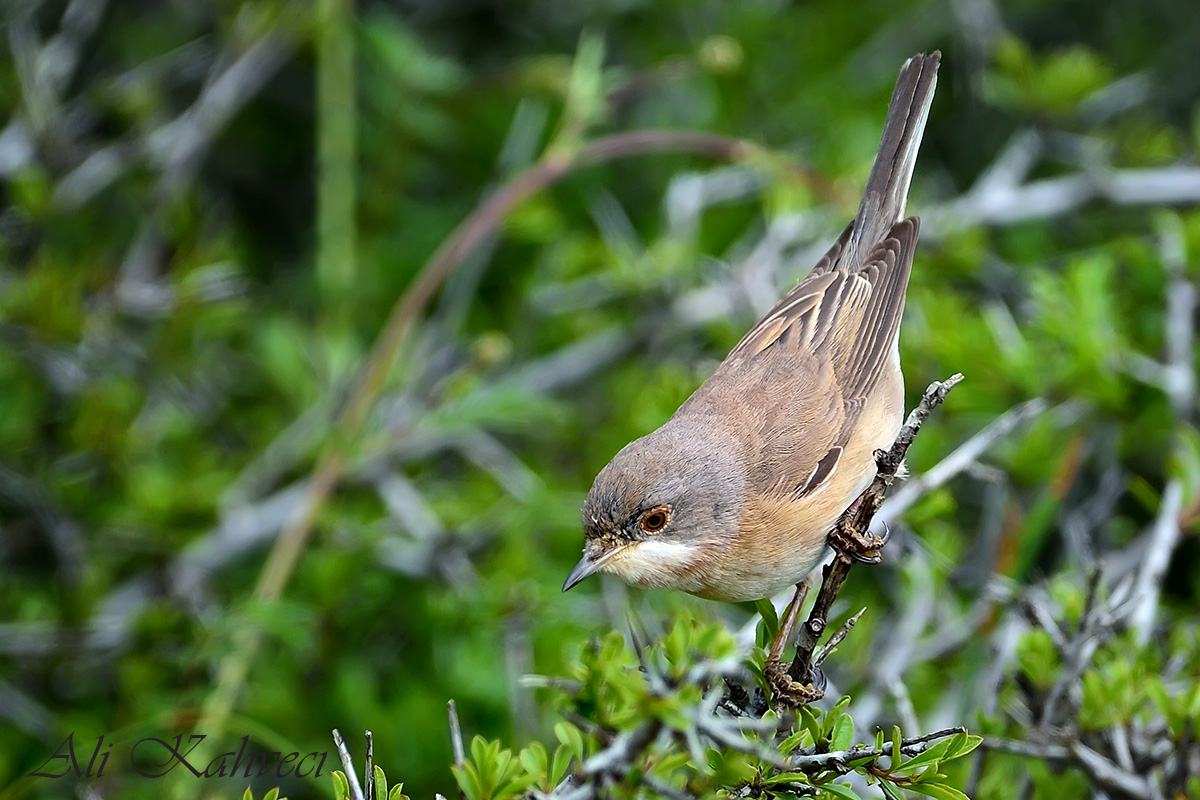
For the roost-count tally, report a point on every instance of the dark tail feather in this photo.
(883, 200)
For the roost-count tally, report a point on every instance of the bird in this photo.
(734, 496)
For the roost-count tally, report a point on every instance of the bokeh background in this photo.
(257, 474)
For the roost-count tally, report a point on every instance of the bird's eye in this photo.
(655, 519)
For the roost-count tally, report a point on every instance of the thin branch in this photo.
(356, 792)
(1107, 775)
(1164, 536)
(369, 767)
(959, 459)
(1179, 383)
(456, 740)
(1042, 750)
(836, 639)
(838, 759)
(856, 521)
(1000, 204)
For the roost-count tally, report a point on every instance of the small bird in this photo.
(733, 498)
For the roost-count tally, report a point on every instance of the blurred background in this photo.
(283, 448)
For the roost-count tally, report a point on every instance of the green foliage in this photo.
(491, 773)
(272, 794)
(1057, 82)
(643, 722)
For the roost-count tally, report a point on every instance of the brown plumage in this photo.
(752, 471)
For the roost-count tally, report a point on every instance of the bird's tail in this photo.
(884, 198)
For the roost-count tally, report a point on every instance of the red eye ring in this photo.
(656, 519)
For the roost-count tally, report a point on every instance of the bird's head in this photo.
(660, 510)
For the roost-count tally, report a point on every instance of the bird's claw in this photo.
(863, 548)
(790, 692)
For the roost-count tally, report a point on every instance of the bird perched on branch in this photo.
(734, 497)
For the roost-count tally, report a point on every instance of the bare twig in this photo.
(1164, 535)
(835, 639)
(369, 767)
(1042, 750)
(854, 523)
(356, 792)
(456, 740)
(1107, 775)
(958, 460)
(1179, 383)
(839, 758)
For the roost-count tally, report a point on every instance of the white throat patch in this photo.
(653, 564)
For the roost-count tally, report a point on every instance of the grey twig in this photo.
(850, 543)
(369, 766)
(176, 146)
(1042, 750)
(1109, 776)
(958, 460)
(1179, 383)
(835, 639)
(1164, 535)
(839, 758)
(456, 740)
(356, 792)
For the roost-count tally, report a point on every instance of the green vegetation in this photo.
(280, 453)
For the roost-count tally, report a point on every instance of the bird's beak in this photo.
(590, 564)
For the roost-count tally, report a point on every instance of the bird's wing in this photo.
(849, 319)
(833, 337)
(812, 366)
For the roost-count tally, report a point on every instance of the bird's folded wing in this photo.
(849, 319)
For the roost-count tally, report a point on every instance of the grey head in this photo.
(662, 504)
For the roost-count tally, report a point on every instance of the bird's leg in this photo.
(774, 671)
(789, 622)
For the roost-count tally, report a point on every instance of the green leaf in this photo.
(535, 759)
(569, 735)
(808, 719)
(800, 738)
(832, 717)
(341, 786)
(839, 790)
(939, 791)
(965, 743)
(855, 763)
(1038, 658)
(468, 779)
(786, 777)
(503, 763)
(843, 733)
(272, 794)
(558, 769)
(479, 753)
(247, 795)
(381, 788)
(770, 619)
(931, 755)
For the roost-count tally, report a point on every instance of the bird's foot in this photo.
(788, 691)
(850, 541)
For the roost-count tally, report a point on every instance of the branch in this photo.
(356, 792)
(960, 459)
(855, 524)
